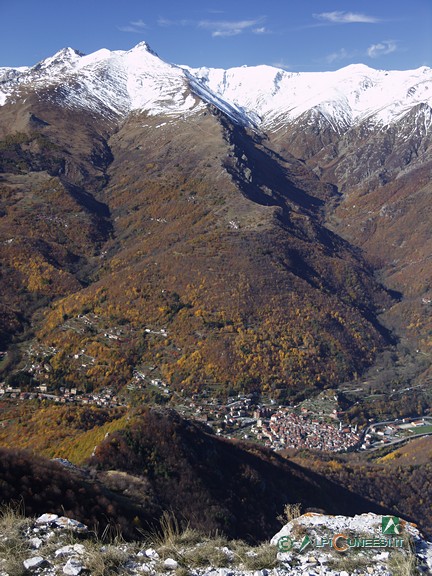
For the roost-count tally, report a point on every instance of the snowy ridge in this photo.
(119, 82)
(235, 111)
(345, 97)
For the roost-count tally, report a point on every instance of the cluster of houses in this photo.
(276, 427)
(289, 429)
(104, 398)
(235, 414)
(388, 432)
(141, 381)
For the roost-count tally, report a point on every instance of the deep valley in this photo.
(176, 262)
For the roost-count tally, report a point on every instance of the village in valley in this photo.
(241, 417)
(318, 423)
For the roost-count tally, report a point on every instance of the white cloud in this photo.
(227, 32)
(382, 48)
(281, 64)
(165, 22)
(339, 17)
(136, 27)
(341, 54)
(220, 27)
(139, 24)
(261, 30)
(229, 27)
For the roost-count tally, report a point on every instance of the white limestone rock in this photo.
(73, 567)
(35, 543)
(70, 524)
(366, 526)
(170, 564)
(151, 553)
(225, 572)
(229, 553)
(46, 519)
(70, 550)
(33, 563)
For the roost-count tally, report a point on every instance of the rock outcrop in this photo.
(363, 544)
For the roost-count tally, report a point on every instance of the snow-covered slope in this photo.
(119, 82)
(345, 97)
(116, 82)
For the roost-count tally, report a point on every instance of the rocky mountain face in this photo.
(368, 133)
(224, 230)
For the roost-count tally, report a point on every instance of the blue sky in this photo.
(298, 35)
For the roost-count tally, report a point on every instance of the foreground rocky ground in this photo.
(308, 545)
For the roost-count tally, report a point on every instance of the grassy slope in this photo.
(57, 431)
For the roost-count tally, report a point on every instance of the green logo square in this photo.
(391, 525)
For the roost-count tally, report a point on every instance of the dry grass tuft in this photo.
(257, 558)
(13, 547)
(105, 560)
(290, 512)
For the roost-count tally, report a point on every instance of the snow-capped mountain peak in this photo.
(144, 46)
(118, 82)
(108, 82)
(65, 55)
